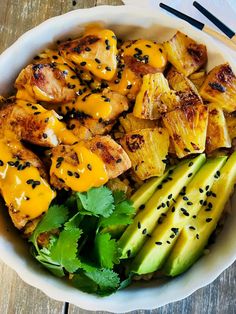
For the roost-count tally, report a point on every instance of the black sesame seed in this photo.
(167, 203)
(129, 86)
(201, 190)
(34, 107)
(149, 46)
(158, 243)
(173, 209)
(208, 193)
(60, 159)
(139, 225)
(194, 216)
(207, 188)
(163, 205)
(190, 164)
(208, 219)
(30, 181)
(108, 69)
(163, 215)
(1, 163)
(46, 120)
(213, 194)
(148, 235)
(201, 202)
(192, 228)
(97, 60)
(172, 236)
(185, 198)
(144, 231)
(128, 253)
(89, 167)
(189, 203)
(190, 174)
(119, 160)
(60, 179)
(83, 63)
(175, 230)
(159, 187)
(197, 236)
(168, 242)
(170, 196)
(36, 113)
(204, 203)
(87, 49)
(76, 174)
(70, 173)
(74, 2)
(207, 209)
(142, 206)
(210, 205)
(45, 135)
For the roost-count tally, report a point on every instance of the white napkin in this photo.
(225, 10)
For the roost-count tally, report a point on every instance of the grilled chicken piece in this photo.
(34, 124)
(144, 56)
(50, 82)
(80, 167)
(185, 54)
(115, 158)
(86, 128)
(106, 105)
(220, 87)
(96, 52)
(23, 183)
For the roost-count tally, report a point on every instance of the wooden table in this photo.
(16, 17)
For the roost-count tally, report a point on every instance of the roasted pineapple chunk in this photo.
(217, 131)
(170, 100)
(147, 150)
(185, 54)
(148, 104)
(198, 78)
(131, 123)
(187, 127)
(231, 124)
(220, 87)
(185, 89)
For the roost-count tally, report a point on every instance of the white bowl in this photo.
(128, 22)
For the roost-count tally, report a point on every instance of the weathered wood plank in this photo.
(16, 17)
(18, 297)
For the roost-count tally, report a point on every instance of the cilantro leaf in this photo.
(98, 201)
(74, 221)
(64, 252)
(53, 219)
(94, 280)
(122, 215)
(119, 196)
(106, 250)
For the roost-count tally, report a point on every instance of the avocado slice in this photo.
(194, 237)
(156, 250)
(145, 221)
(139, 199)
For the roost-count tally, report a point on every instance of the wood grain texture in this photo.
(16, 297)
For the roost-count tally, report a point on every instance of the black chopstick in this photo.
(183, 16)
(225, 29)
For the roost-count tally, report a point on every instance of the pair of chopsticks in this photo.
(229, 39)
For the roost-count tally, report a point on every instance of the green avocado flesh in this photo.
(155, 251)
(194, 237)
(145, 221)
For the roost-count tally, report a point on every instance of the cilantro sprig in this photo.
(76, 239)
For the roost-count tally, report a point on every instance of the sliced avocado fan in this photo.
(156, 250)
(145, 221)
(194, 237)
